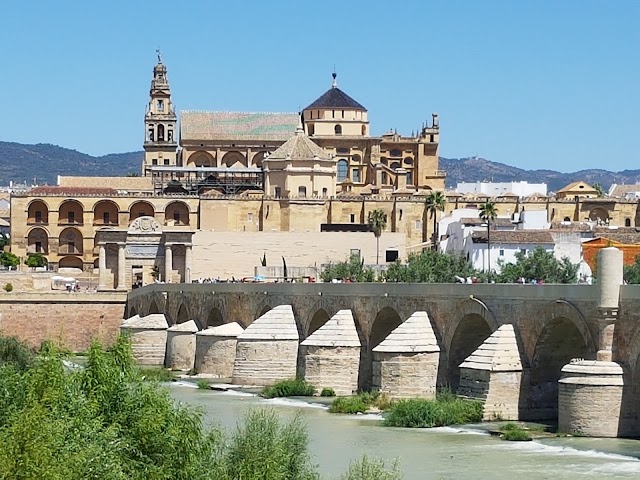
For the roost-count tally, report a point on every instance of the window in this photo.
(409, 178)
(356, 158)
(352, 218)
(355, 175)
(38, 216)
(277, 192)
(523, 251)
(154, 161)
(324, 192)
(39, 247)
(333, 114)
(161, 133)
(627, 222)
(408, 161)
(355, 252)
(338, 129)
(431, 137)
(343, 150)
(71, 247)
(105, 218)
(310, 129)
(170, 135)
(161, 105)
(391, 255)
(176, 217)
(342, 113)
(343, 170)
(502, 252)
(302, 191)
(396, 153)
(166, 161)
(418, 225)
(249, 217)
(567, 219)
(151, 133)
(71, 217)
(384, 178)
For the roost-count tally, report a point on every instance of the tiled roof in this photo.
(577, 187)
(336, 98)
(571, 226)
(298, 147)
(624, 190)
(536, 237)
(237, 125)
(72, 191)
(498, 222)
(624, 238)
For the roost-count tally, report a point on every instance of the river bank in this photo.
(467, 452)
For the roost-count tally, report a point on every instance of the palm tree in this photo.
(435, 201)
(377, 221)
(488, 212)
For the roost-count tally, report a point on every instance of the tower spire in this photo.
(299, 127)
(334, 83)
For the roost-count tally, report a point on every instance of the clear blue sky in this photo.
(548, 84)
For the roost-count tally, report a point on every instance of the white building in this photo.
(495, 189)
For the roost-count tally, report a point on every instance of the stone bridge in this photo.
(553, 324)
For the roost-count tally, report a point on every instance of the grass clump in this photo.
(361, 403)
(327, 392)
(514, 433)
(446, 409)
(203, 384)
(289, 388)
(372, 469)
(16, 353)
(156, 374)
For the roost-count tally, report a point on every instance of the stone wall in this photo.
(215, 356)
(25, 281)
(406, 375)
(264, 362)
(332, 367)
(70, 320)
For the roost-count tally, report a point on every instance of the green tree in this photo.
(36, 260)
(632, 272)
(488, 213)
(4, 241)
(377, 221)
(430, 266)
(9, 260)
(352, 269)
(599, 188)
(539, 264)
(435, 201)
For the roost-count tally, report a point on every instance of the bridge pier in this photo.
(590, 392)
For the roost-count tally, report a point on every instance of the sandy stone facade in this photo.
(216, 350)
(148, 338)
(406, 375)
(181, 346)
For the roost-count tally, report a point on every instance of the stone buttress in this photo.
(332, 355)
(181, 346)
(405, 364)
(216, 350)
(493, 374)
(148, 337)
(267, 351)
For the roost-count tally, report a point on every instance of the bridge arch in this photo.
(560, 333)
(470, 324)
(215, 318)
(319, 314)
(132, 312)
(387, 319)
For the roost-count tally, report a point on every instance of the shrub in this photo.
(36, 260)
(203, 384)
(327, 392)
(289, 388)
(9, 260)
(514, 433)
(14, 352)
(8, 287)
(156, 374)
(446, 409)
(351, 405)
(372, 469)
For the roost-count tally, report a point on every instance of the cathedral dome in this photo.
(336, 99)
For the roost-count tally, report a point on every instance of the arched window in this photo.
(302, 191)
(161, 105)
(627, 222)
(343, 170)
(161, 133)
(567, 219)
(338, 129)
(396, 153)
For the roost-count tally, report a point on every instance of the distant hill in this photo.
(44, 162)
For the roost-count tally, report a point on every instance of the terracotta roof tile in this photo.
(536, 237)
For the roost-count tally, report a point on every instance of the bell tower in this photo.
(160, 122)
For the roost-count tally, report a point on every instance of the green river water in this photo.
(438, 453)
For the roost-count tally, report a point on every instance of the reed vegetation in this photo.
(289, 388)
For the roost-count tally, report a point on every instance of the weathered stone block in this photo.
(181, 346)
(148, 338)
(216, 350)
(406, 375)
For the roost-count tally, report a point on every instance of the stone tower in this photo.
(160, 122)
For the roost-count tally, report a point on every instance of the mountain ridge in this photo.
(22, 163)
